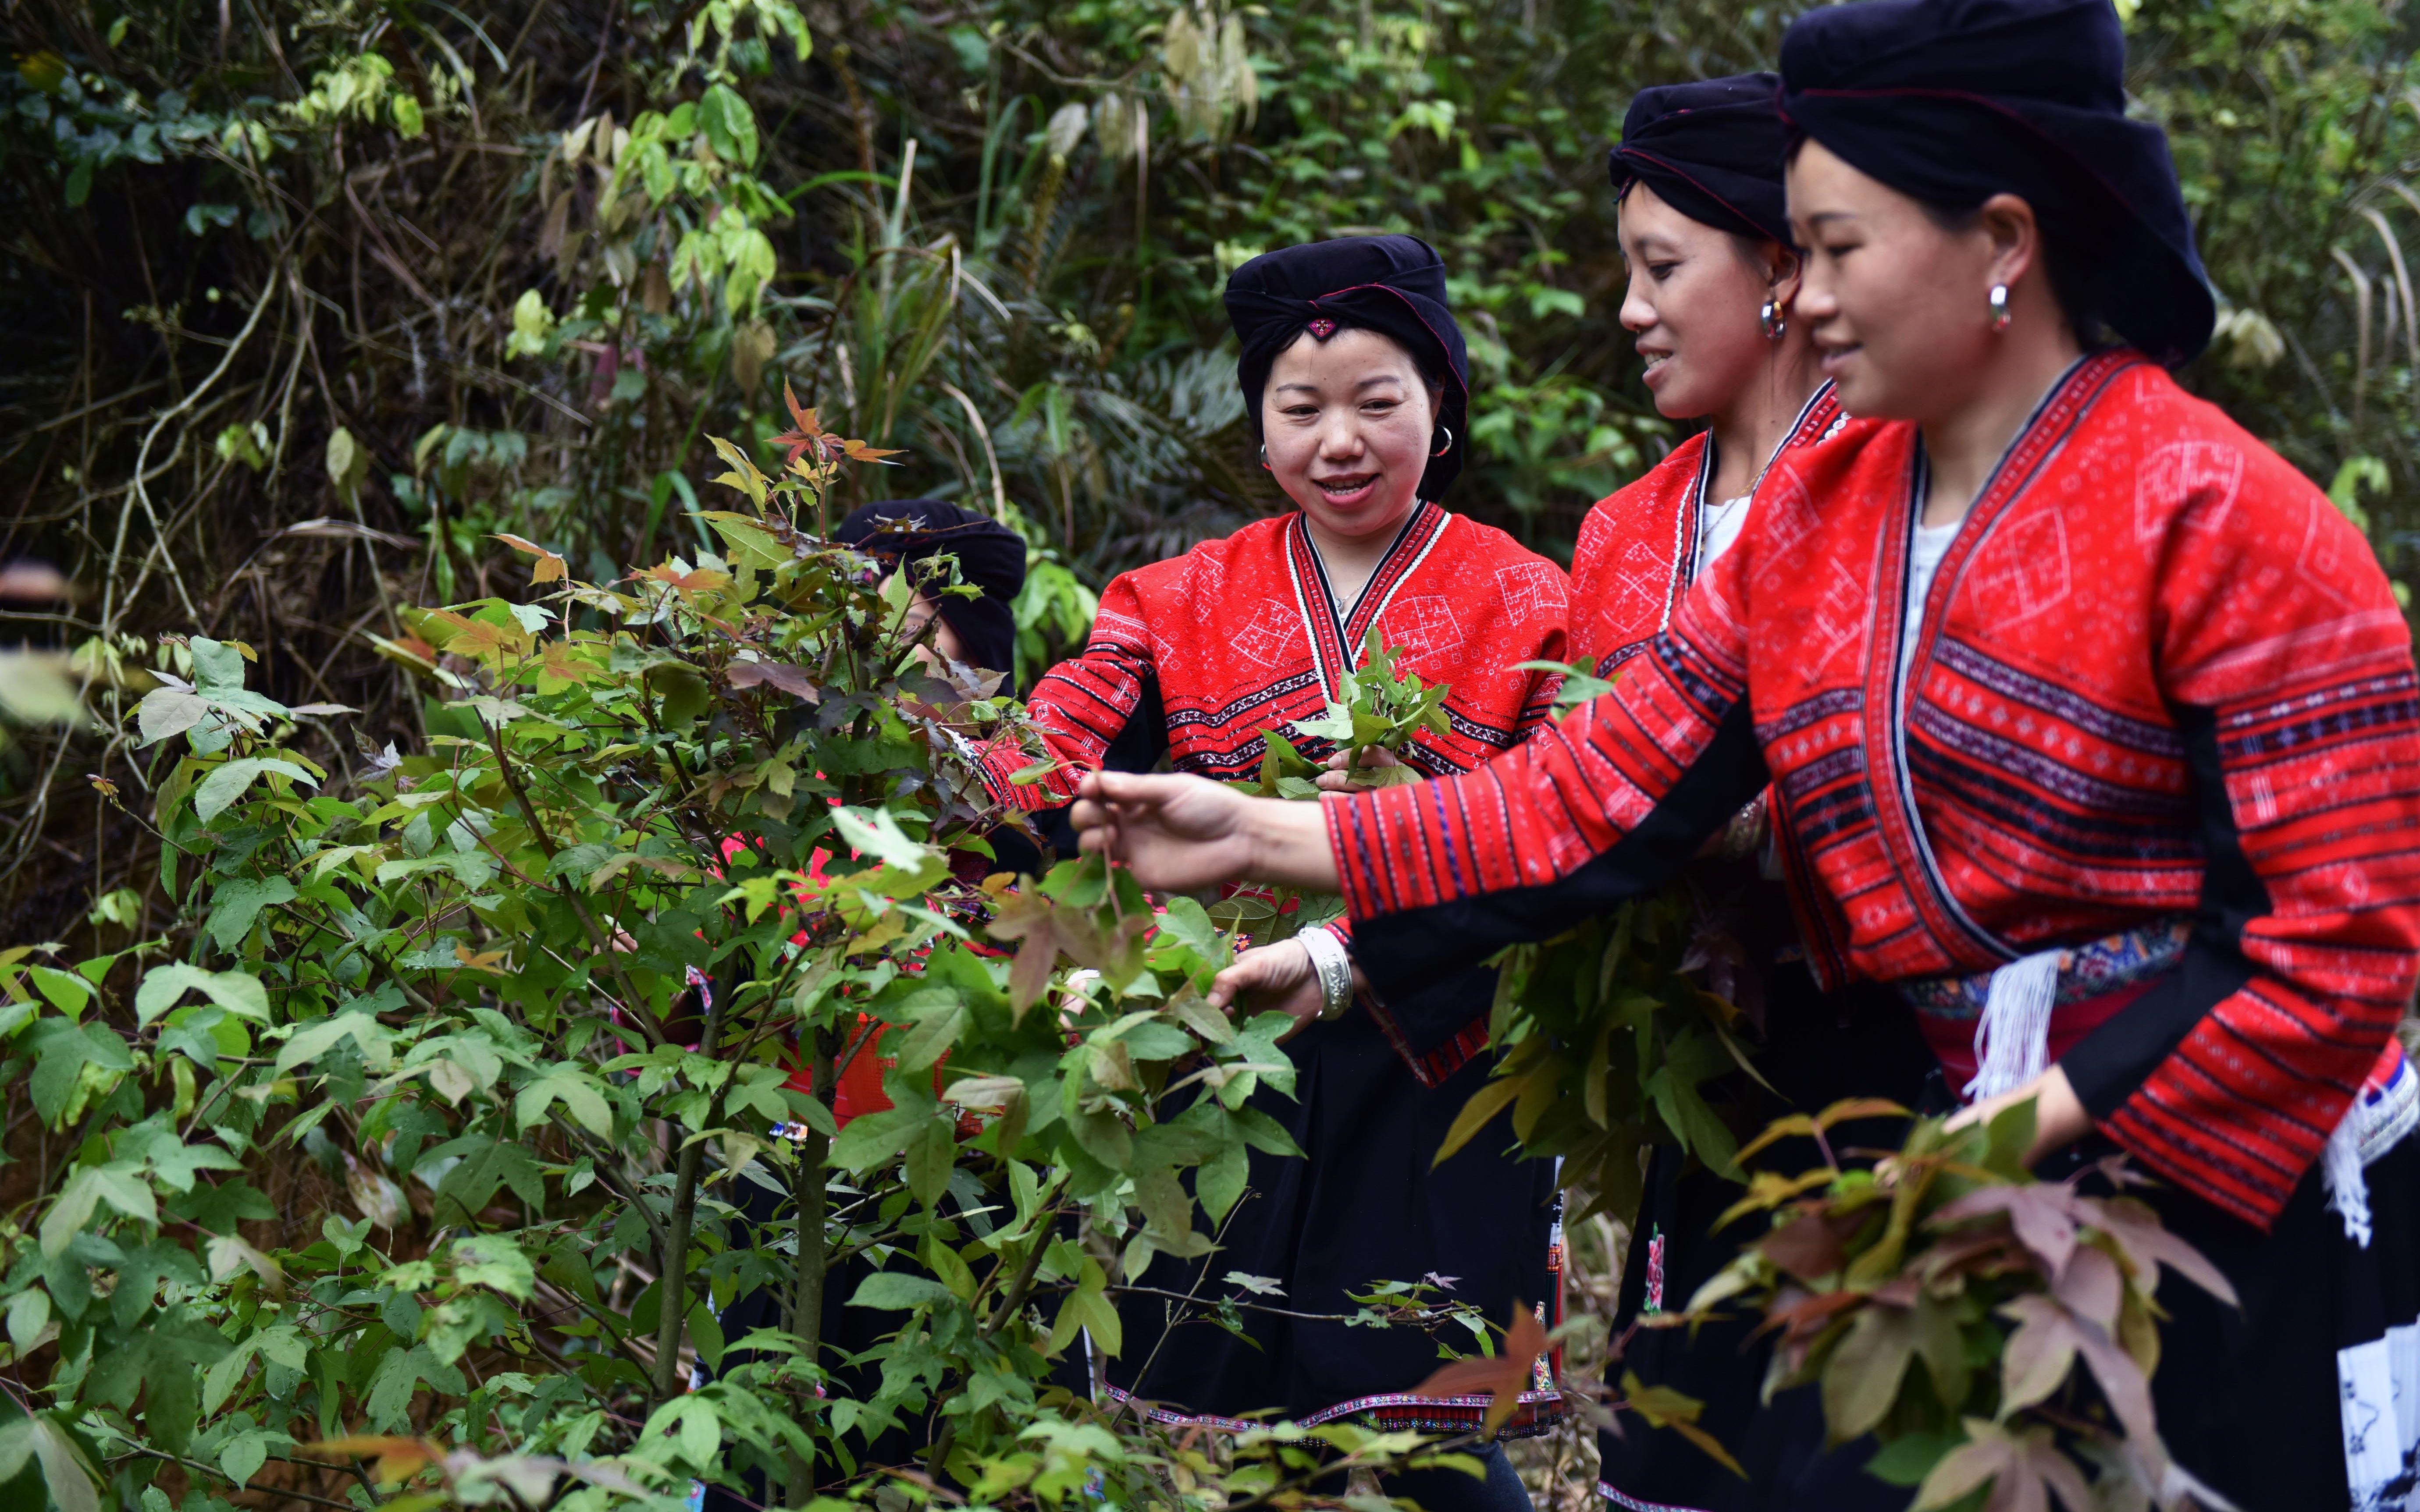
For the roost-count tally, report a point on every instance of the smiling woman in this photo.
(1355, 376)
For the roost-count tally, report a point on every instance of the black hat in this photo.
(1952, 102)
(1391, 285)
(990, 556)
(1712, 151)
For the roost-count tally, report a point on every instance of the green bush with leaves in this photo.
(538, 991)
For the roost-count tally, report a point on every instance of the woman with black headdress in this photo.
(1714, 281)
(1355, 382)
(2091, 726)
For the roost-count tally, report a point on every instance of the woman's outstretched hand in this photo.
(1278, 975)
(1180, 834)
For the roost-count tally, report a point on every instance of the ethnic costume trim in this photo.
(1540, 1412)
(1638, 550)
(1630, 1503)
(2086, 970)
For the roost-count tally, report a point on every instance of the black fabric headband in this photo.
(990, 556)
(1393, 285)
(1952, 102)
(1712, 151)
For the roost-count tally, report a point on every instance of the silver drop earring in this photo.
(2000, 316)
(1774, 321)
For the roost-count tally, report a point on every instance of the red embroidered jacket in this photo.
(1638, 550)
(1241, 636)
(2158, 675)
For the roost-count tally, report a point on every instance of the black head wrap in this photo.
(1711, 150)
(1391, 285)
(990, 556)
(1952, 102)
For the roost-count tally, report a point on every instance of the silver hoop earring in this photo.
(2000, 316)
(1449, 441)
(1265, 454)
(1774, 321)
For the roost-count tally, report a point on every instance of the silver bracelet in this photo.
(1334, 967)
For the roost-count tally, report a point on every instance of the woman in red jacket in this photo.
(2092, 727)
(1355, 380)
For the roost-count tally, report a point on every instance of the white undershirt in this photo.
(1718, 527)
(1923, 560)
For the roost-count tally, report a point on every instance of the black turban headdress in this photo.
(1712, 151)
(990, 556)
(1955, 101)
(1391, 285)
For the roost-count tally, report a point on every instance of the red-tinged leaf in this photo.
(1859, 1107)
(1809, 1312)
(2041, 1214)
(1502, 1379)
(2092, 1287)
(548, 567)
(698, 580)
(1813, 1244)
(1796, 1123)
(1028, 975)
(796, 681)
(487, 961)
(2047, 1465)
(398, 1459)
(2150, 1245)
(1979, 1460)
(2121, 1381)
(2036, 1359)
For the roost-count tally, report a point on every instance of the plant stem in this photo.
(807, 1294)
(673, 1288)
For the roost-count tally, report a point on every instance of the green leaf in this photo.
(579, 1096)
(228, 781)
(1908, 1459)
(495, 1263)
(239, 901)
(240, 992)
(730, 128)
(1862, 1378)
(119, 1183)
(897, 1291)
(73, 1483)
(873, 833)
(67, 991)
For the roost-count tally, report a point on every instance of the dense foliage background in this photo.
(306, 303)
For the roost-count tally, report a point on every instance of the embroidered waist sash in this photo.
(1996, 1030)
(2047, 1002)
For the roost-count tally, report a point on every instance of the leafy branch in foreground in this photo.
(1995, 1332)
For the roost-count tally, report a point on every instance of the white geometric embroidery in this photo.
(1422, 625)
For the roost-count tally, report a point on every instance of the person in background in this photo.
(1712, 293)
(1355, 382)
(2092, 727)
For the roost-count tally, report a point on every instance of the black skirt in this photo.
(2274, 1403)
(1364, 1206)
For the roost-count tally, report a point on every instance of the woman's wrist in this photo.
(1286, 843)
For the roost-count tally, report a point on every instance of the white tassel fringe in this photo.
(2012, 1038)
